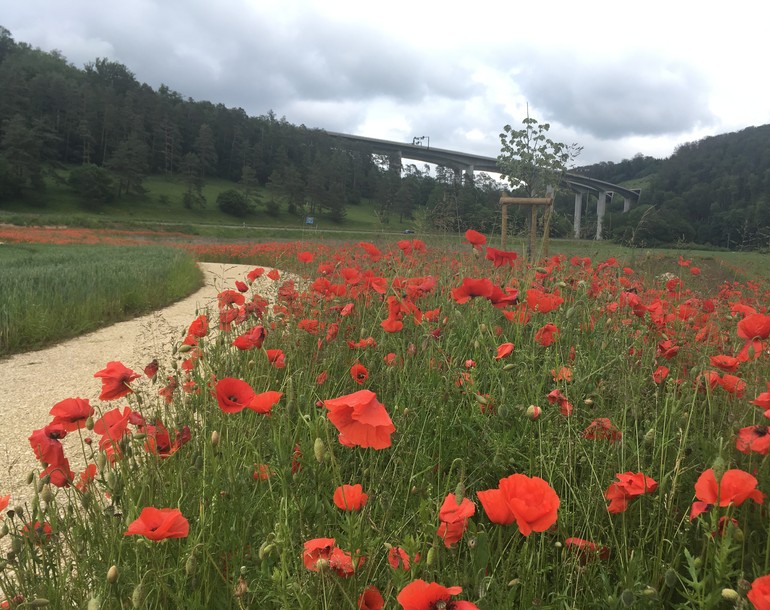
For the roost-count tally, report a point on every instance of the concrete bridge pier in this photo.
(601, 208)
(626, 204)
(395, 162)
(578, 212)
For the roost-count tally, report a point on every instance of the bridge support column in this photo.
(626, 204)
(469, 175)
(578, 213)
(394, 162)
(601, 208)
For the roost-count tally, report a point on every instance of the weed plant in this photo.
(615, 399)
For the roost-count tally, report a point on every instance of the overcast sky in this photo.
(618, 78)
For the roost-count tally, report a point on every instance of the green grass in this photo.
(161, 208)
(50, 292)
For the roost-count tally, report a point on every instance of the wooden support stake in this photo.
(533, 203)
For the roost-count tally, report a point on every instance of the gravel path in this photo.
(32, 382)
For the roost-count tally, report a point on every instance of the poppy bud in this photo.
(482, 328)
(215, 439)
(476, 344)
(4, 530)
(30, 477)
(509, 367)
(112, 574)
(18, 510)
(47, 494)
(191, 565)
(718, 466)
(460, 492)
(94, 603)
(533, 412)
(40, 602)
(482, 399)
(16, 545)
(184, 348)
(431, 556)
(174, 365)
(627, 598)
(138, 596)
(649, 592)
(319, 450)
(86, 499)
(101, 461)
(513, 582)
(649, 437)
(731, 595)
(589, 402)
(671, 578)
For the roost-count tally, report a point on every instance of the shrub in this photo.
(234, 203)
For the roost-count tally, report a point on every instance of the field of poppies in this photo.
(419, 428)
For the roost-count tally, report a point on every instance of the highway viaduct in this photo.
(469, 163)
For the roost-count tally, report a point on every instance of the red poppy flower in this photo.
(233, 395)
(759, 594)
(630, 485)
(151, 369)
(506, 349)
(159, 524)
(735, 487)
(454, 519)
(255, 273)
(273, 274)
(472, 287)
(754, 326)
(398, 558)
(261, 472)
(199, 327)
(71, 413)
(557, 397)
(112, 426)
(586, 550)
(475, 238)
(729, 364)
(733, 384)
(361, 420)
(546, 335)
(753, 439)
(763, 400)
(264, 402)
(241, 286)
(251, 339)
(371, 599)
(659, 374)
(276, 357)
(666, 349)
(350, 497)
(563, 374)
(305, 257)
(115, 379)
(603, 430)
(38, 532)
(316, 550)
(499, 257)
(359, 373)
(543, 302)
(226, 298)
(421, 595)
(529, 501)
(4, 500)
(342, 562)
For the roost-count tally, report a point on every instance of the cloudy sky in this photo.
(618, 78)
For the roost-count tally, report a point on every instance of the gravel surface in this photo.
(32, 382)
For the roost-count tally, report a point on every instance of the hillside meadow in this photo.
(422, 426)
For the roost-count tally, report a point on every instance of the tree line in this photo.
(108, 132)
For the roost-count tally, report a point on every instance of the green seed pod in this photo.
(112, 574)
(431, 556)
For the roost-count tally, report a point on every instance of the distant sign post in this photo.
(534, 203)
(309, 220)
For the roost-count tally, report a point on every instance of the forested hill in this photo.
(713, 191)
(102, 132)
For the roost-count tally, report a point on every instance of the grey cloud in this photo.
(611, 99)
